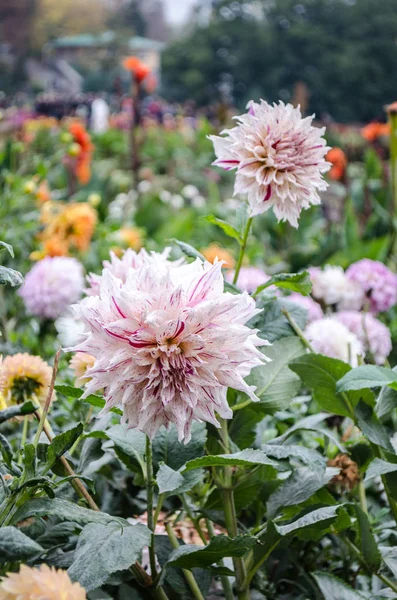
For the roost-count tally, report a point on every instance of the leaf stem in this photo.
(243, 247)
(297, 330)
(24, 436)
(46, 408)
(192, 583)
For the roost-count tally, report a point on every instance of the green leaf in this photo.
(71, 392)
(20, 410)
(245, 458)
(379, 467)
(10, 276)
(188, 250)
(333, 588)
(167, 448)
(275, 383)
(16, 546)
(321, 517)
(7, 247)
(368, 546)
(226, 227)
(63, 510)
(298, 488)
(320, 374)
(389, 556)
(272, 322)
(310, 423)
(190, 556)
(167, 479)
(105, 549)
(61, 444)
(366, 376)
(131, 441)
(310, 457)
(387, 402)
(295, 282)
(371, 427)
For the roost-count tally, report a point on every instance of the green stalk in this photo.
(150, 494)
(229, 509)
(192, 583)
(243, 246)
(24, 436)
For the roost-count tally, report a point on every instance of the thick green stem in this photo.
(150, 494)
(243, 247)
(243, 592)
(363, 497)
(192, 583)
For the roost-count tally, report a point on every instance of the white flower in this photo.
(177, 201)
(70, 330)
(168, 343)
(165, 196)
(333, 287)
(331, 338)
(144, 186)
(190, 191)
(279, 159)
(198, 202)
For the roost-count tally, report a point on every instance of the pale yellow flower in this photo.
(79, 363)
(45, 583)
(22, 377)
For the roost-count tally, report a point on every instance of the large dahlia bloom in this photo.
(331, 338)
(52, 285)
(279, 159)
(130, 260)
(377, 281)
(332, 286)
(168, 343)
(44, 583)
(373, 335)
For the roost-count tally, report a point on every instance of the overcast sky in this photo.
(178, 10)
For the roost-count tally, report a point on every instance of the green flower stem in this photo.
(226, 585)
(150, 495)
(243, 246)
(391, 584)
(24, 437)
(192, 583)
(243, 592)
(362, 496)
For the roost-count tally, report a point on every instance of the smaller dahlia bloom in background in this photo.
(249, 279)
(214, 252)
(132, 237)
(168, 343)
(138, 68)
(377, 282)
(51, 286)
(82, 162)
(279, 157)
(120, 266)
(314, 310)
(332, 287)
(373, 335)
(43, 583)
(331, 338)
(79, 363)
(338, 160)
(375, 130)
(23, 376)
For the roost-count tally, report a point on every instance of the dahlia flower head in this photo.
(333, 287)
(279, 157)
(332, 338)
(130, 260)
(314, 310)
(377, 282)
(373, 335)
(23, 376)
(44, 583)
(52, 285)
(168, 343)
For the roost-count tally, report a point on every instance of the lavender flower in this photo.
(314, 310)
(377, 281)
(373, 335)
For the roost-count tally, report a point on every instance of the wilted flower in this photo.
(52, 285)
(22, 376)
(214, 252)
(80, 363)
(279, 159)
(377, 281)
(167, 343)
(44, 583)
(314, 310)
(374, 336)
(249, 278)
(348, 476)
(332, 286)
(120, 267)
(331, 338)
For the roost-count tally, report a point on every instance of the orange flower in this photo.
(43, 193)
(338, 159)
(137, 67)
(82, 164)
(130, 236)
(375, 130)
(213, 252)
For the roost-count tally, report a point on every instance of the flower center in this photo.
(23, 388)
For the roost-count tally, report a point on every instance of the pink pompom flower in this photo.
(314, 310)
(377, 281)
(373, 335)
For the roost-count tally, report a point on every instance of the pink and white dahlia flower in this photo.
(373, 335)
(377, 281)
(279, 157)
(121, 266)
(314, 310)
(168, 343)
(332, 286)
(52, 285)
(331, 338)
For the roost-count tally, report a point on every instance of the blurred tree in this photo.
(344, 51)
(128, 20)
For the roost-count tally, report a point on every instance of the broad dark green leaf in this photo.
(321, 517)
(245, 458)
(167, 479)
(105, 549)
(371, 427)
(10, 276)
(63, 510)
(294, 282)
(387, 401)
(61, 444)
(366, 376)
(333, 588)
(226, 227)
(16, 546)
(379, 467)
(221, 546)
(272, 322)
(167, 449)
(367, 542)
(308, 456)
(131, 441)
(26, 408)
(310, 423)
(7, 247)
